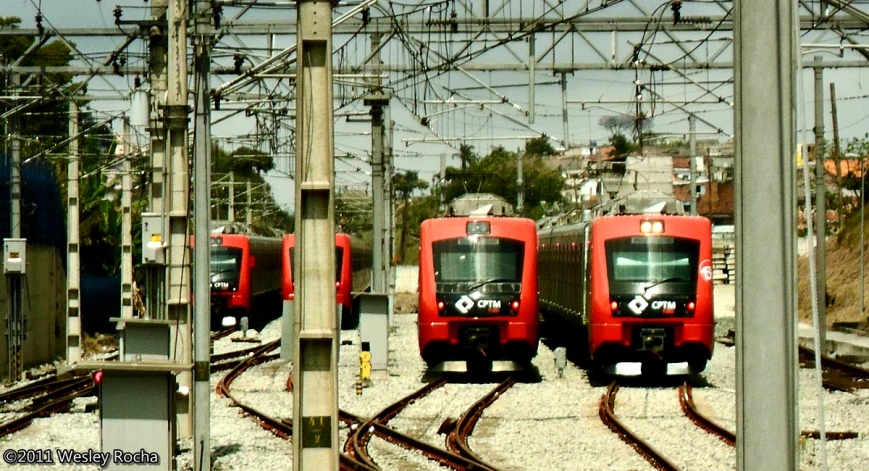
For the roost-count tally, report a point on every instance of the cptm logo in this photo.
(706, 270)
(465, 303)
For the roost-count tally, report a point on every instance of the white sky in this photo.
(425, 158)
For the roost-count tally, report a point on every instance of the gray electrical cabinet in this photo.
(137, 398)
(137, 419)
(153, 247)
(14, 256)
(374, 328)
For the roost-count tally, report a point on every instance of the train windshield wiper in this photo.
(493, 280)
(665, 280)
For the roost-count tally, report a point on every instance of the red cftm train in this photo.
(245, 278)
(352, 273)
(637, 281)
(478, 286)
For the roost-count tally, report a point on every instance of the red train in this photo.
(245, 278)
(639, 286)
(352, 273)
(478, 286)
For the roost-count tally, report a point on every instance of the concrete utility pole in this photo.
(202, 214)
(820, 203)
(764, 55)
(248, 217)
(389, 210)
(837, 156)
(155, 273)
(15, 320)
(692, 156)
(315, 400)
(73, 267)
(532, 68)
(231, 216)
(565, 142)
(378, 100)
(126, 225)
(389, 171)
(178, 195)
(521, 196)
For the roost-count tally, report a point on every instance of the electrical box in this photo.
(153, 247)
(14, 255)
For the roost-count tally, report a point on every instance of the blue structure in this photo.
(43, 221)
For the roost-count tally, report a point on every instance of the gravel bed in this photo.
(551, 423)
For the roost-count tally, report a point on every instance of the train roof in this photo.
(638, 203)
(479, 204)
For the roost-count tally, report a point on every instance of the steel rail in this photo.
(282, 428)
(608, 416)
(686, 399)
(45, 410)
(457, 439)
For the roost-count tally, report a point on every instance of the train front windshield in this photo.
(225, 268)
(651, 259)
(476, 259)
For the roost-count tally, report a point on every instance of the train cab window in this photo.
(641, 259)
(477, 259)
(225, 260)
(339, 262)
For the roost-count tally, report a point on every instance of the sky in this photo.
(485, 126)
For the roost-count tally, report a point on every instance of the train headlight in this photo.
(614, 306)
(440, 306)
(514, 306)
(690, 306)
(652, 227)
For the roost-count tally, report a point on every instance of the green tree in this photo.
(467, 155)
(539, 146)
(622, 146)
(405, 183)
(418, 210)
(496, 173)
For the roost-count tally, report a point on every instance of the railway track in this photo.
(217, 335)
(686, 399)
(837, 375)
(608, 416)
(357, 442)
(457, 439)
(56, 398)
(282, 428)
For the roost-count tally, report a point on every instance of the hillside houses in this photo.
(661, 169)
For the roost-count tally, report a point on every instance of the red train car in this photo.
(245, 278)
(639, 286)
(352, 273)
(478, 289)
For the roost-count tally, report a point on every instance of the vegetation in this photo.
(46, 124)
(493, 173)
